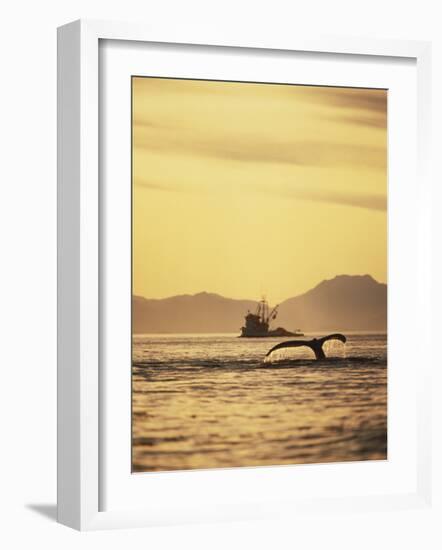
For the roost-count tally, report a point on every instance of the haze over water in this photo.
(210, 401)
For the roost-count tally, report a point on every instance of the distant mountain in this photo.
(352, 302)
(203, 312)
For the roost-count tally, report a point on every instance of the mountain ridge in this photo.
(352, 302)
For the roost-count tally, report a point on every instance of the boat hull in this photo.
(279, 332)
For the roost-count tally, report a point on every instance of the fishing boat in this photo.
(257, 325)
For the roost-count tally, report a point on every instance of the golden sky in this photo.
(249, 189)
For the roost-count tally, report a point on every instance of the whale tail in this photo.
(315, 344)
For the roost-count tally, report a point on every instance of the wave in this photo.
(191, 365)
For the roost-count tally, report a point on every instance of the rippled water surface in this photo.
(211, 401)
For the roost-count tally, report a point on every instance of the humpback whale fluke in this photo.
(315, 344)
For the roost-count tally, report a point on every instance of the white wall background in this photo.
(28, 260)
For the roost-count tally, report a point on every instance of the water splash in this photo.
(335, 349)
(290, 354)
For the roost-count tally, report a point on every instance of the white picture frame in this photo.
(80, 294)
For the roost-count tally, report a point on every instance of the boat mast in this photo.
(264, 310)
(264, 313)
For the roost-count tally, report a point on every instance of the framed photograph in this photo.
(243, 268)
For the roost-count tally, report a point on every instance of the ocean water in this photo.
(212, 401)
